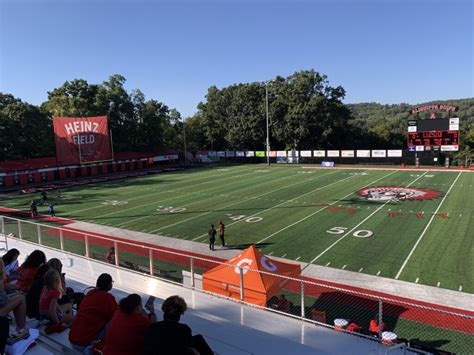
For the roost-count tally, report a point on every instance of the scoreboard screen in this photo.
(440, 133)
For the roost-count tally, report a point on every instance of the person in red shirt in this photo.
(110, 256)
(51, 293)
(27, 271)
(353, 326)
(374, 326)
(126, 331)
(96, 311)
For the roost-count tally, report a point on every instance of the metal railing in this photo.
(419, 326)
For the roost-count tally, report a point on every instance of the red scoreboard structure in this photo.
(433, 132)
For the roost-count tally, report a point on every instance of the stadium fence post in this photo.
(86, 240)
(117, 261)
(380, 319)
(241, 283)
(150, 257)
(3, 224)
(302, 300)
(38, 228)
(20, 232)
(61, 239)
(191, 268)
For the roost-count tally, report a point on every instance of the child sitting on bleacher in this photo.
(15, 303)
(51, 293)
(27, 270)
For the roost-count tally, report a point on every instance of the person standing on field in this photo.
(221, 232)
(212, 237)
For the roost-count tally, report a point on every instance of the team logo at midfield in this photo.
(396, 193)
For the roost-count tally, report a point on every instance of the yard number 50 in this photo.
(363, 233)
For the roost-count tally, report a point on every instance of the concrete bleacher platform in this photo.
(229, 327)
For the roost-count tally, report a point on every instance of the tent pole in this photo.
(241, 283)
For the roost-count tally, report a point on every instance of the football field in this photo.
(416, 226)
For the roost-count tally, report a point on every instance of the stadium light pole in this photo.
(268, 130)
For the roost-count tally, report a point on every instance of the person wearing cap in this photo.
(96, 311)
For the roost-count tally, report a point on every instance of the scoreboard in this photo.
(438, 133)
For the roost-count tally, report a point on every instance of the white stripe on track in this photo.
(282, 203)
(426, 228)
(321, 209)
(363, 221)
(240, 201)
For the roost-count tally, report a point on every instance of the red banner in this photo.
(81, 140)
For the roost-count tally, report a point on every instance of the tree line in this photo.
(304, 111)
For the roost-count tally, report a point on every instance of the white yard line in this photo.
(282, 203)
(203, 175)
(321, 209)
(426, 228)
(354, 228)
(201, 200)
(236, 203)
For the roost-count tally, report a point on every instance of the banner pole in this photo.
(79, 143)
(112, 144)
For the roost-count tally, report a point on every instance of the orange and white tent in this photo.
(259, 287)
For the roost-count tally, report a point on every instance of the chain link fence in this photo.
(388, 320)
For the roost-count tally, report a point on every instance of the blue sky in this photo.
(379, 51)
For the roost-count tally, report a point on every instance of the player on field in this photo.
(33, 209)
(51, 209)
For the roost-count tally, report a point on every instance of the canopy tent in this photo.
(259, 287)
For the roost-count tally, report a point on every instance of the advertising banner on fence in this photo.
(394, 153)
(221, 154)
(249, 153)
(273, 153)
(260, 154)
(333, 153)
(240, 154)
(319, 153)
(230, 154)
(364, 153)
(281, 153)
(81, 139)
(379, 153)
(305, 153)
(347, 153)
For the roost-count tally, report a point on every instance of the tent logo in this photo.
(397, 193)
(264, 261)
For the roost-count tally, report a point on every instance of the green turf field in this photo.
(310, 215)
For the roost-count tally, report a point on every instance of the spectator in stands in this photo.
(126, 330)
(110, 256)
(169, 337)
(69, 295)
(97, 309)
(353, 326)
(27, 270)
(34, 293)
(48, 305)
(10, 260)
(15, 303)
(374, 326)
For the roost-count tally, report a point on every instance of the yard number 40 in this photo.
(363, 233)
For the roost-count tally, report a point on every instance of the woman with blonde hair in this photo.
(51, 293)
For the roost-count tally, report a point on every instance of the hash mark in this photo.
(283, 255)
(460, 288)
(439, 283)
(298, 258)
(329, 263)
(378, 273)
(417, 279)
(360, 270)
(344, 267)
(270, 253)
